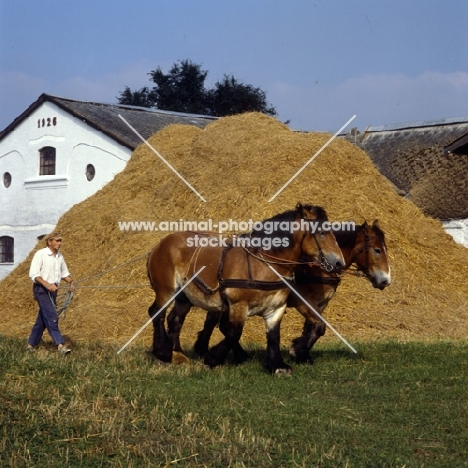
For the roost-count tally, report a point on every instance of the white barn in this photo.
(59, 152)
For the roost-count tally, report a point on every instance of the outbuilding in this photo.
(428, 164)
(59, 152)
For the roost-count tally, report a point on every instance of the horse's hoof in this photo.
(179, 358)
(241, 358)
(208, 367)
(283, 372)
(300, 357)
(303, 359)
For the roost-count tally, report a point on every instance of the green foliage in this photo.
(230, 97)
(394, 405)
(141, 98)
(182, 89)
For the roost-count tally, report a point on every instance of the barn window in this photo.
(47, 161)
(7, 179)
(6, 249)
(90, 172)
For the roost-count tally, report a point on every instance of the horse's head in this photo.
(371, 257)
(318, 242)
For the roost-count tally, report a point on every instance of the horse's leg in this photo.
(240, 355)
(175, 321)
(319, 330)
(203, 340)
(312, 331)
(162, 346)
(232, 333)
(275, 363)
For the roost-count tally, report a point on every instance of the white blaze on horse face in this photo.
(381, 278)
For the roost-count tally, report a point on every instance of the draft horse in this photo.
(236, 279)
(363, 247)
(366, 249)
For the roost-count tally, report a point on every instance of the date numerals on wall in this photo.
(48, 122)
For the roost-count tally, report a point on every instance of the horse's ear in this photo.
(376, 224)
(302, 210)
(364, 224)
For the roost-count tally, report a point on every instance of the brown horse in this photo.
(236, 279)
(364, 247)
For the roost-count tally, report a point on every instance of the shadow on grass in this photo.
(257, 355)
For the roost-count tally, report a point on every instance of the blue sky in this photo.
(319, 61)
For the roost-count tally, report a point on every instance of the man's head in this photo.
(54, 241)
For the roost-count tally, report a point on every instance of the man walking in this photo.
(47, 269)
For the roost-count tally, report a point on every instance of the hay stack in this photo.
(238, 163)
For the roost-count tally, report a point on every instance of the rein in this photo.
(251, 283)
(62, 308)
(357, 271)
(68, 296)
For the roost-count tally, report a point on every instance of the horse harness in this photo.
(224, 283)
(304, 275)
(299, 277)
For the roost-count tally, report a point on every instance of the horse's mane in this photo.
(288, 217)
(379, 233)
(347, 239)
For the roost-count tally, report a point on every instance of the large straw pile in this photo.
(238, 163)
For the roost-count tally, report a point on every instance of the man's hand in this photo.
(51, 287)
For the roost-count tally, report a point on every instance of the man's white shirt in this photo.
(49, 267)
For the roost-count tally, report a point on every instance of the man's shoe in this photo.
(64, 350)
(31, 349)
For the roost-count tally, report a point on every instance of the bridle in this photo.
(365, 248)
(323, 264)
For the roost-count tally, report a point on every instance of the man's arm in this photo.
(49, 286)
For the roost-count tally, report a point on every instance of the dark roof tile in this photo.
(105, 118)
(412, 156)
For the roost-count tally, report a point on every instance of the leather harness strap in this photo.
(224, 283)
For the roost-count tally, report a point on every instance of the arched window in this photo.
(47, 161)
(7, 179)
(6, 249)
(90, 172)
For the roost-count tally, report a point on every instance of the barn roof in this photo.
(105, 118)
(427, 161)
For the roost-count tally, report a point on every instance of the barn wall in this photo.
(458, 229)
(32, 205)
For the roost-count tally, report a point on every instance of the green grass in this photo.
(394, 405)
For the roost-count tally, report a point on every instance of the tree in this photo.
(139, 98)
(231, 97)
(182, 89)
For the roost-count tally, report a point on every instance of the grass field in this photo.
(393, 405)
